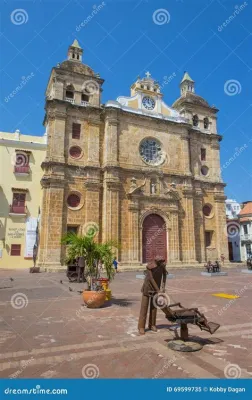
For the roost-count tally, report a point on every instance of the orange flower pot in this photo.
(93, 299)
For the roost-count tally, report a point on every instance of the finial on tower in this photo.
(148, 74)
(187, 84)
(75, 52)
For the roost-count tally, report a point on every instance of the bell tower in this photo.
(75, 52)
(187, 84)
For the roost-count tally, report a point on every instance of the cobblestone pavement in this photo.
(45, 331)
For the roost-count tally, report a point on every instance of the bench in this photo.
(210, 267)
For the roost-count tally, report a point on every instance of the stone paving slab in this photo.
(62, 336)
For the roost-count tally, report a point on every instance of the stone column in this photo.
(51, 224)
(111, 206)
(56, 127)
(188, 237)
(215, 164)
(186, 166)
(134, 231)
(200, 247)
(92, 204)
(221, 237)
(174, 239)
(94, 144)
(111, 140)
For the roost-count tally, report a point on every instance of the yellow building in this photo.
(20, 192)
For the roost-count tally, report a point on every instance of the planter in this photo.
(94, 299)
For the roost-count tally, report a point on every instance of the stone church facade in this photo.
(134, 170)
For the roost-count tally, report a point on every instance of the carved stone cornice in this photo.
(92, 184)
(52, 182)
(198, 194)
(133, 205)
(113, 185)
(219, 197)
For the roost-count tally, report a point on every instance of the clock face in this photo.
(148, 103)
(151, 152)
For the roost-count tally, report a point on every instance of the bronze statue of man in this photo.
(155, 275)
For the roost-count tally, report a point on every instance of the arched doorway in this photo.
(154, 238)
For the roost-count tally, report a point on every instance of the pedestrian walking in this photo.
(115, 263)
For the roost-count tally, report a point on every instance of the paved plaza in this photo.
(46, 332)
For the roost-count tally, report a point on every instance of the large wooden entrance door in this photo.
(154, 238)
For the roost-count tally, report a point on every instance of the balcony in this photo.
(70, 100)
(22, 170)
(85, 103)
(246, 237)
(18, 211)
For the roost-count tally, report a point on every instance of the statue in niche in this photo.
(153, 187)
(133, 184)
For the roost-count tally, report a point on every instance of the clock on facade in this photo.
(148, 103)
(151, 152)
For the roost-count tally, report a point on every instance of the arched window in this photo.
(206, 123)
(195, 120)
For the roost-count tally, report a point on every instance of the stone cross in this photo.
(147, 74)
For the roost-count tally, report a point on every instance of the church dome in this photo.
(74, 66)
(188, 96)
(191, 98)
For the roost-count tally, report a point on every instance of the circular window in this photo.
(151, 152)
(75, 152)
(73, 200)
(207, 210)
(204, 170)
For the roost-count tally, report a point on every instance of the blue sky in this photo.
(124, 40)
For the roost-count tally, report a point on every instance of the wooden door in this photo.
(154, 238)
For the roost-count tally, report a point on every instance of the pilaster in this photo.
(134, 230)
(199, 226)
(188, 236)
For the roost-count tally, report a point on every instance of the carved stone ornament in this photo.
(134, 188)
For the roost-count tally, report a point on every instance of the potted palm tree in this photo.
(93, 252)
